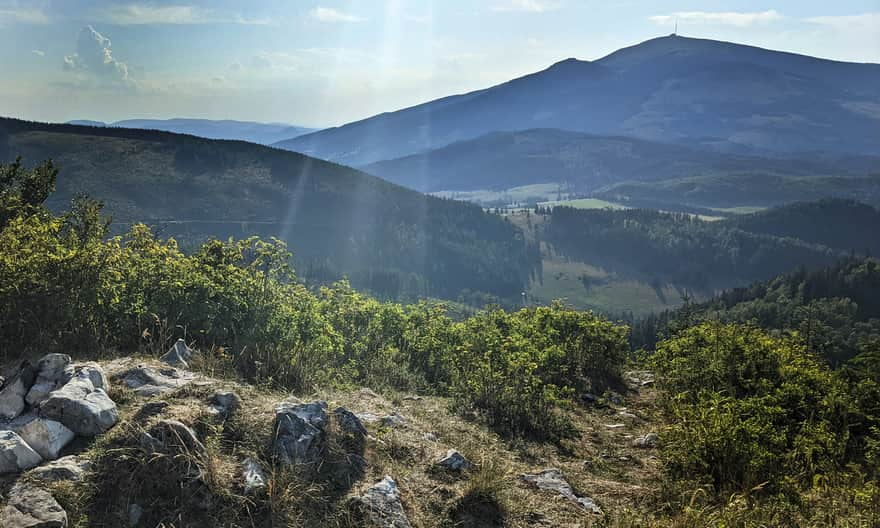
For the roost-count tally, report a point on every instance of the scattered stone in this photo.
(430, 437)
(178, 354)
(393, 420)
(151, 408)
(147, 381)
(31, 507)
(615, 426)
(349, 422)
(135, 512)
(647, 383)
(15, 454)
(225, 402)
(253, 475)
(176, 435)
(81, 407)
(628, 415)
(381, 505)
(551, 480)
(454, 461)
(70, 468)
(589, 398)
(412, 398)
(94, 373)
(647, 441)
(46, 437)
(299, 431)
(368, 417)
(15, 390)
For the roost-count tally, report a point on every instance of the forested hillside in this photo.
(678, 248)
(836, 310)
(583, 163)
(840, 224)
(746, 189)
(386, 239)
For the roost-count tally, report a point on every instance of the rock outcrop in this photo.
(81, 407)
(28, 506)
(552, 480)
(178, 355)
(454, 461)
(147, 381)
(380, 505)
(14, 391)
(299, 432)
(15, 454)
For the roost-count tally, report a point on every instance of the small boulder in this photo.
(454, 461)
(68, 468)
(15, 454)
(28, 506)
(53, 371)
(178, 354)
(369, 418)
(299, 432)
(225, 402)
(381, 507)
(393, 420)
(147, 381)
(14, 391)
(647, 441)
(551, 480)
(46, 437)
(81, 407)
(349, 423)
(95, 373)
(253, 476)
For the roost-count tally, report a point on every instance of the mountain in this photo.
(263, 133)
(741, 189)
(580, 162)
(337, 220)
(672, 89)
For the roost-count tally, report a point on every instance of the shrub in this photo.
(749, 411)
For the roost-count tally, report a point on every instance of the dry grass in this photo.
(178, 489)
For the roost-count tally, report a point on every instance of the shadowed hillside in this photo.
(339, 221)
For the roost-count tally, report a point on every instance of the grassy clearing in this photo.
(584, 203)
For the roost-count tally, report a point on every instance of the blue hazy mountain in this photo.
(263, 133)
(583, 162)
(720, 95)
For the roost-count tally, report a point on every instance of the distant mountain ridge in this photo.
(254, 132)
(726, 96)
(581, 162)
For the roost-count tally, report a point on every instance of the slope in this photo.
(263, 133)
(673, 89)
(337, 220)
(577, 161)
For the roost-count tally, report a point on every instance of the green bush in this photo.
(749, 411)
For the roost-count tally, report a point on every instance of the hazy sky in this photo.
(322, 63)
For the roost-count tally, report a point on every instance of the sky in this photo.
(328, 62)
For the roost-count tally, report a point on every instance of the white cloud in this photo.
(24, 16)
(94, 57)
(729, 18)
(39, 53)
(328, 14)
(144, 14)
(531, 6)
